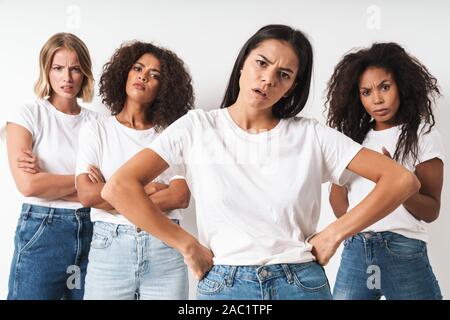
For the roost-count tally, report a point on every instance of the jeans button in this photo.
(263, 273)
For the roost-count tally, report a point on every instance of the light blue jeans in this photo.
(304, 281)
(126, 263)
(376, 264)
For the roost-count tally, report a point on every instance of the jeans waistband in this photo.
(374, 236)
(35, 210)
(262, 272)
(114, 228)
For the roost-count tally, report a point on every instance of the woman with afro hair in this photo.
(146, 88)
(381, 97)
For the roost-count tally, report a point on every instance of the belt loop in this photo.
(27, 212)
(115, 230)
(288, 272)
(50, 216)
(229, 278)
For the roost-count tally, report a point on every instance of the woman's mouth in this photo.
(261, 94)
(139, 86)
(381, 112)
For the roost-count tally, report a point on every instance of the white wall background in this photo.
(208, 36)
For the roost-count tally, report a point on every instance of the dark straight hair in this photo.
(291, 105)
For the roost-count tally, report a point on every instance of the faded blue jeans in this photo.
(303, 281)
(126, 263)
(51, 247)
(385, 264)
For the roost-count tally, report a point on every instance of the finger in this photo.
(94, 174)
(92, 177)
(26, 165)
(25, 159)
(98, 173)
(29, 170)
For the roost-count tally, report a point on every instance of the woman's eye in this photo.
(261, 63)
(57, 68)
(365, 93)
(77, 69)
(386, 87)
(285, 75)
(136, 68)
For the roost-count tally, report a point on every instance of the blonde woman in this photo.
(54, 230)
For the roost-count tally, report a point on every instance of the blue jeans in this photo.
(51, 247)
(126, 263)
(304, 281)
(385, 264)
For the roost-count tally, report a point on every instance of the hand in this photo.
(324, 246)
(95, 175)
(199, 259)
(28, 162)
(154, 187)
(386, 152)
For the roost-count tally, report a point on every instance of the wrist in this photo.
(187, 244)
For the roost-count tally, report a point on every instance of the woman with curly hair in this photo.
(382, 97)
(146, 88)
(54, 230)
(256, 172)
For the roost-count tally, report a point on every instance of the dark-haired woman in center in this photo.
(382, 97)
(146, 88)
(255, 170)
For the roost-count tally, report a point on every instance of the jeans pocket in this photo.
(212, 283)
(311, 277)
(403, 247)
(30, 232)
(100, 240)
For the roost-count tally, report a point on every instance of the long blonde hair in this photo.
(69, 41)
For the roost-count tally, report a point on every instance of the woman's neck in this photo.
(68, 106)
(133, 115)
(252, 119)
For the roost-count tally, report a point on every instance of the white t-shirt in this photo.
(55, 141)
(400, 220)
(257, 196)
(107, 144)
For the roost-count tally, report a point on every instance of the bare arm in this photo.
(125, 191)
(167, 197)
(425, 204)
(42, 184)
(338, 200)
(176, 196)
(89, 193)
(394, 184)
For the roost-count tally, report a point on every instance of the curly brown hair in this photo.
(416, 86)
(175, 95)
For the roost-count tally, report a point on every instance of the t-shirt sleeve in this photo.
(431, 146)
(26, 116)
(338, 150)
(174, 142)
(88, 148)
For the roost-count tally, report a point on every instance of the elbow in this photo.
(85, 198)
(184, 200)
(27, 188)
(411, 182)
(110, 190)
(432, 216)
